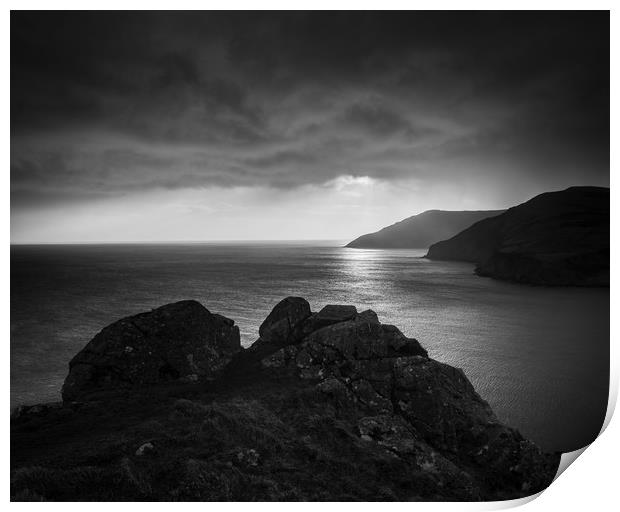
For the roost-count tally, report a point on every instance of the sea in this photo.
(539, 356)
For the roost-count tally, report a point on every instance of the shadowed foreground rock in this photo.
(181, 340)
(331, 405)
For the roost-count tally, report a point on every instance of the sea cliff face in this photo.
(332, 405)
(556, 239)
(420, 231)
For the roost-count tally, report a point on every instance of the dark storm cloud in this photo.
(378, 120)
(105, 103)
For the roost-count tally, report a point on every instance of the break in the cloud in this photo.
(155, 126)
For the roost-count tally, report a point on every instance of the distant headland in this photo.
(556, 239)
(421, 231)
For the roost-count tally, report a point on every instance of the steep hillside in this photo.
(556, 238)
(420, 231)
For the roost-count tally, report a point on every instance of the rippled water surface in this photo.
(540, 356)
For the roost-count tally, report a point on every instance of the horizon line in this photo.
(172, 242)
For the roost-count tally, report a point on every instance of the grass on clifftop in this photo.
(281, 447)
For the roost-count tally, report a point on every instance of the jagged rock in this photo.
(330, 314)
(369, 316)
(177, 341)
(440, 402)
(281, 322)
(414, 405)
(289, 322)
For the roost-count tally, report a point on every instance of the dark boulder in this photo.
(329, 315)
(280, 324)
(290, 322)
(369, 316)
(177, 341)
(337, 349)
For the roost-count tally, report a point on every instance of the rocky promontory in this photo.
(555, 239)
(327, 405)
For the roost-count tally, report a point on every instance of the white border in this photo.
(588, 484)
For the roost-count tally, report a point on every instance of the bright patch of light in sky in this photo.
(339, 209)
(346, 181)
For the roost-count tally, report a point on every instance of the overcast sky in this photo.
(154, 127)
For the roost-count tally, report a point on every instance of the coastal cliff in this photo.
(420, 231)
(327, 405)
(556, 239)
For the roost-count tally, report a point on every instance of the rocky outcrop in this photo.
(177, 341)
(414, 406)
(332, 405)
(555, 239)
(289, 322)
(279, 326)
(421, 231)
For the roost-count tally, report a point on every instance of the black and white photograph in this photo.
(316, 256)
